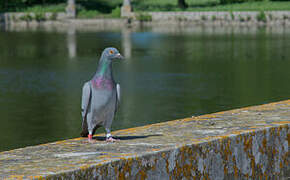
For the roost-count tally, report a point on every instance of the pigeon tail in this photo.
(85, 132)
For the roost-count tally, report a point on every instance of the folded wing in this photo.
(86, 98)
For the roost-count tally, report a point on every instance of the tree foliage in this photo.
(103, 6)
(12, 5)
(182, 4)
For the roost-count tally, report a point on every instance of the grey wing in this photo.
(118, 93)
(86, 98)
(118, 96)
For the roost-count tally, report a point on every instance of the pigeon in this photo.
(101, 97)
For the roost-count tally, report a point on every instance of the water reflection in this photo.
(167, 75)
(71, 42)
(126, 42)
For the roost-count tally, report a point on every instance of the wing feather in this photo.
(119, 93)
(86, 98)
(118, 98)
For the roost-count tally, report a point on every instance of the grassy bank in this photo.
(85, 8)
(109, 9)
(210, 5)
(44, 8)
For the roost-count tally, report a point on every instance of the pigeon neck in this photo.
(104, 68)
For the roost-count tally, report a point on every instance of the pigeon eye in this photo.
(111, 51)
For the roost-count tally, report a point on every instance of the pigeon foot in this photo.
(111, 139)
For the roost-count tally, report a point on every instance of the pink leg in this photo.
(90, 138)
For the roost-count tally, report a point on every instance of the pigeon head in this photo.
(111, 54)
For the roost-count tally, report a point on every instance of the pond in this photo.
(168, 74)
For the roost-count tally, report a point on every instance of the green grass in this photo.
(89, 14)
(111, 9)
(102, 6)
(209, 5)
(144, 17)
(247, 6)
(116, 13)
(44, 8)
(99, 9)
(86, 9)
(262, 17)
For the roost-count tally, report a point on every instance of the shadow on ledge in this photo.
(103, 138)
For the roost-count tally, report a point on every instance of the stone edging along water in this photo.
(248, 18)
(246, 143)
(221, 18)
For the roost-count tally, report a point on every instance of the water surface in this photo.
(166, 75)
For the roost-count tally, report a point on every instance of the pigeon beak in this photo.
(119, 56)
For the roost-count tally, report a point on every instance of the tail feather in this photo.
(85, 131)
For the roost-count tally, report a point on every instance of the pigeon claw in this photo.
(111, 139)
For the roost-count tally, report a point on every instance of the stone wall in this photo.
(220, 18)
(18, 17)
(271, 18)
(261, 154)
(246, 143)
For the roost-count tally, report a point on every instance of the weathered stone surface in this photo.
(251, 142)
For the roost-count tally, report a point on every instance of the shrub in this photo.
(232, 16)
(229, 1)
(270, 16)
(144, 17)
(39, 17)
(53, 16)
(213, 18)
(26, 17)
(236, 1)
(203, 17)
(88, 14)
(13, 18)
(46, 8)
(241, 18)
(262, 16)
(116, 12)
(181, 18)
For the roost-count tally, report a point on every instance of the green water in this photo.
(169, 75)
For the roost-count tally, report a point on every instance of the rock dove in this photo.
(100, 97)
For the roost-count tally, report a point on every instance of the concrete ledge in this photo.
(251, 142)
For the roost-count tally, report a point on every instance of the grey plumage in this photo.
(101, 96)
